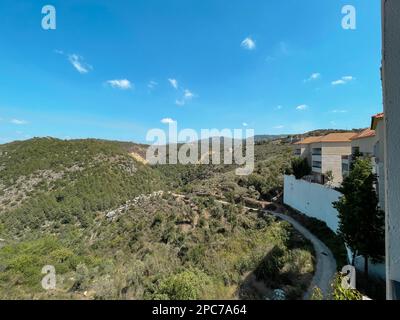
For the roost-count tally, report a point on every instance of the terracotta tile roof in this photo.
(367, 133)
(338, 137)
(309, 140)
(375, 120)
(379, 116)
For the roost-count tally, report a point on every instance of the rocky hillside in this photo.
(114, 227)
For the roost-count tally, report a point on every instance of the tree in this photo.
(361, 222)
(300, 167)
(329, 176)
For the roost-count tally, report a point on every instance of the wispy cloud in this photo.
(279, 127)
(244, 124)
(79, 64)
(18, 122)
(167, 121)
(122, 84)
(152, 85)
(248, 44)
(302, 107)
(180, 102)
(174, 83)
(279, 107)
(339, 111)
(312, 77)
(188, 94)
(343, 80)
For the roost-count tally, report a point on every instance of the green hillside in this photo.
(115, 228)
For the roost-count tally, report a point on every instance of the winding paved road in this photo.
(326, 263)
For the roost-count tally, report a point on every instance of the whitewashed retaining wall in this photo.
(312, 199)
(315, 200)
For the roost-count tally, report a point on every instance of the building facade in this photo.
(391, 148)
(324, 155)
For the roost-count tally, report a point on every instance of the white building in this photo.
(325, 154)
(390, 124)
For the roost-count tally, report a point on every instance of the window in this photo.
(316, 164)
(316, 151)
(355, 150)
(345, 167)
(297, 152)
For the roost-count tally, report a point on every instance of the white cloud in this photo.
(18, 122)
(279, 107)
(188, 94)
(248, 44)
(79, 64)
(338, 82)
(343, 80)
(180, 102)
(279, 127)
(339, 111)
(167, 121)
(152, 84)
(174, 83)
(348, 78)
(122, 84)
(302, 107)
(314, 76)
(58, 51)
(244, 124)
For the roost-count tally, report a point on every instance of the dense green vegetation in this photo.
(90, 209)
(321, 230)
(272, 160)
(361, 221)
(300, 167)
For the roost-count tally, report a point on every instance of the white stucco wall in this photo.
(391, 98)
(366, 145)
(312, 199)
(315, 200)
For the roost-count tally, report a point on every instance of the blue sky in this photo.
(115, 69)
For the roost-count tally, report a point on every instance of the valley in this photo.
(114, 227)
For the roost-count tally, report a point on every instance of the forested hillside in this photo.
(116, 228)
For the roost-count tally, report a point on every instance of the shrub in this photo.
(187, 285)
(300, 167)
(341, 293)
(270, 266)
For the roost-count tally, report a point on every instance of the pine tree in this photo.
(361, 222)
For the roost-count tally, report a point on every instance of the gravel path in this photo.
(326, 263)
